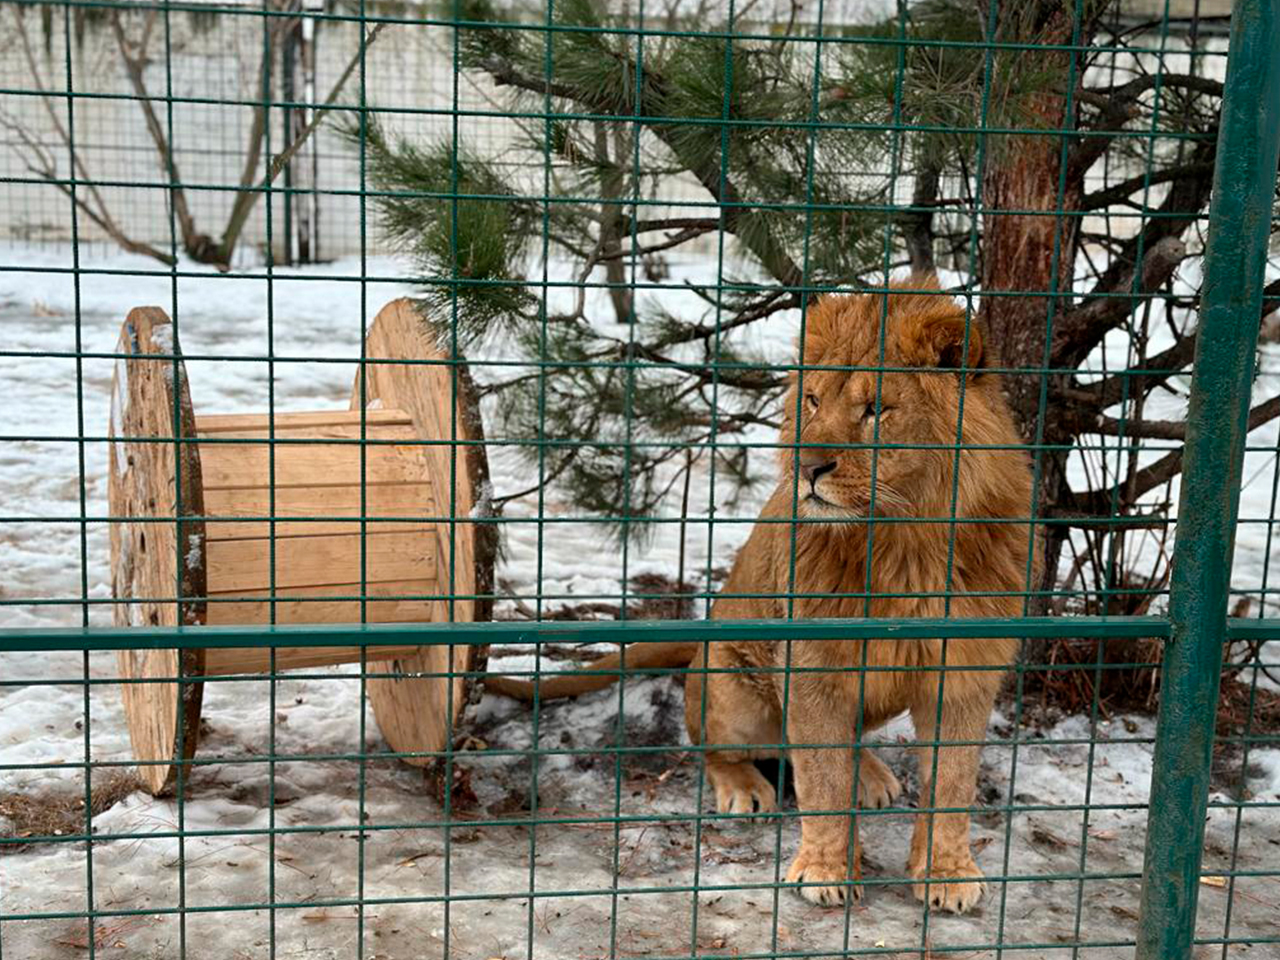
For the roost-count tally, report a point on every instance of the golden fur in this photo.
(914, 561)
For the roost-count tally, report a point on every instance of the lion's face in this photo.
(872, 439)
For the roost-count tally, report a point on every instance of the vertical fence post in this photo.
(1226, 344)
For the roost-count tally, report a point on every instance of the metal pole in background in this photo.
(293, 125)
(1226, 347)
(308, 203)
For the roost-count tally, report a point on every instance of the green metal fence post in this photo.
(1235, 260)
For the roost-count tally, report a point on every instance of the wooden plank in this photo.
(349, 430)
(294, 422)
(336, 504)
(235, 466)
(227, 660)
(235, 566)
(306, 604)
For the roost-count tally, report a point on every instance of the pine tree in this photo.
(913, 142)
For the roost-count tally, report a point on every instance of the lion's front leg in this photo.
(821, 711)
(726, 706)
(940, 851)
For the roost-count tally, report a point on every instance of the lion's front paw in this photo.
(742, 789)
(956, 888)
(824, 876)
(877, 786)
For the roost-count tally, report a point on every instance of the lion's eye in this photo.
(812, 400)
(870, 412)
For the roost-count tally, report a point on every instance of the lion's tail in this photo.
(572, 683)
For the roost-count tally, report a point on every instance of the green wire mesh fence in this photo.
(488, 480)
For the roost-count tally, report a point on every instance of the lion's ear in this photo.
(942, 341)
(820, 326)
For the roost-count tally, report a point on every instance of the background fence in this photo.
(616, 220)
(218, 63)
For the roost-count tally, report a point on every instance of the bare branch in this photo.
(670, 223)
(105, 223)
(1080, 330)
(1186, 81)
(1167, 467)
(257, 127)
(1107, 524)
(1180, 208)
(1122, 191)
(750, 379)
(76, 160)
(1118, 105)
(197, 245)
(95, 207)
(684, 236)
(1107, 393)
(247, 199)
(776, 301)
(1139, 429)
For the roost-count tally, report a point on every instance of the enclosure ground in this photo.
(327, 846)
(492, 853)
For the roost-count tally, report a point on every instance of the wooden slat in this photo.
(235, 566)
(245, 466)
(258, 659)
(292, 608)
(349, 430)
(294, 422)
(333, 503)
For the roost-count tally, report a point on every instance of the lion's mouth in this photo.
(818, 507)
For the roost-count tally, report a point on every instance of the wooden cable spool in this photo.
(196, 532)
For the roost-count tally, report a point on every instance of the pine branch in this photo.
(733, 210)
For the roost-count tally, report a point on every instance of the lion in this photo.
(876, 514)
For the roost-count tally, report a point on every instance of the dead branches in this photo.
(134, 53)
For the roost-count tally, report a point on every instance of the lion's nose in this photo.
(812, 467)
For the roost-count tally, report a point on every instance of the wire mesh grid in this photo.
(299, 572)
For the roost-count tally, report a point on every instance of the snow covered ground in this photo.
(371, 830)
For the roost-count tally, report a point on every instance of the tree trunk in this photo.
(1028, 246)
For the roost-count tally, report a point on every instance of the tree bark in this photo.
(1029, 246)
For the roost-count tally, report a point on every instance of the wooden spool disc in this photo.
(419, 713)
(156, 480)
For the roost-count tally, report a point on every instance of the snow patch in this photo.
(119, 390)
(162, 337)
(483, 507)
